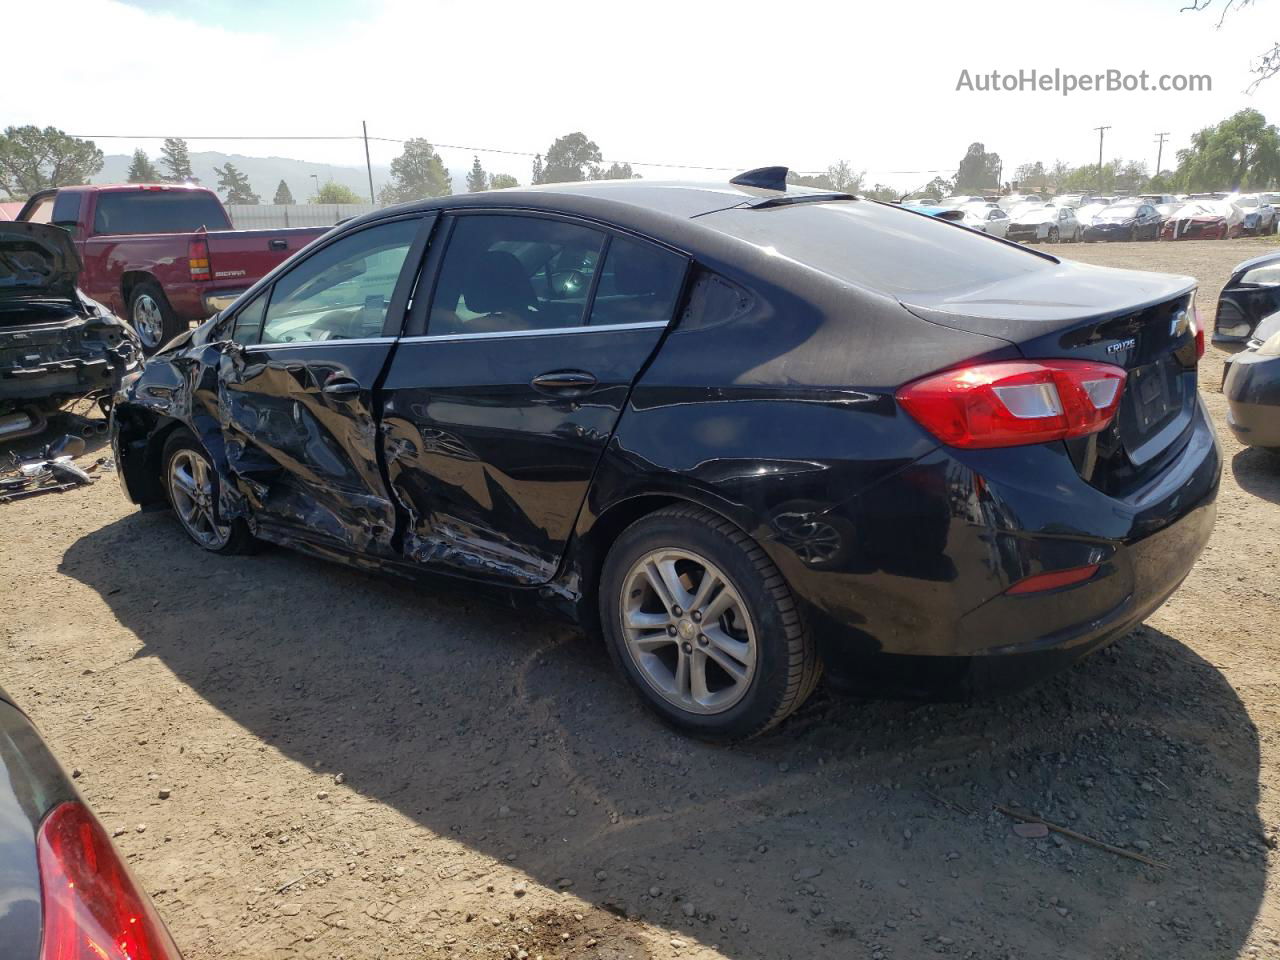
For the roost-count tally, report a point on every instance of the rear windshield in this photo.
(877, 246)
(158, 211)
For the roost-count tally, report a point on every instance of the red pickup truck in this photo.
(162, 255)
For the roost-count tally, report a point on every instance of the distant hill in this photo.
(265, 173)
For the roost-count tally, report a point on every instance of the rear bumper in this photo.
(933, 550)
(198, 300)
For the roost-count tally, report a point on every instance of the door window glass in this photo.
(638, 284)
(341, 292)
(507, 273)
(248, 325)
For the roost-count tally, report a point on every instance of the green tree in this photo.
(416, 174)
(882, 192)
(539, 175)
(979, 170)
(477, 179)
(839, 176)
(236, 183)
(502, 181)
(571, 158)
(284, 196)
(615, 171)
(333, 192)
(1241, 152)
(141, 169)
(176, 159)
(32, 159)
(1031, 176)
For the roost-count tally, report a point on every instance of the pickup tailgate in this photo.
(243, 256)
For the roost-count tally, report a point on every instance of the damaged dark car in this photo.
(746, 431)
(55, 343)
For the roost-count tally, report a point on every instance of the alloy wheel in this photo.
(191, 491)
(148, 322)
(688, 631)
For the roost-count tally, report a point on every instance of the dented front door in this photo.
(296, 391)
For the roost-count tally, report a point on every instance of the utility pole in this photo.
(316, 178)
(1160, 150)
(367, 165)
(1101, 132)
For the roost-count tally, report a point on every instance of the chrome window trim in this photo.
(547, 332)
(258, 347)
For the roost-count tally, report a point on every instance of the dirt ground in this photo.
(353, 768)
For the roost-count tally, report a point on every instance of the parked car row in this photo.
(1104, 218)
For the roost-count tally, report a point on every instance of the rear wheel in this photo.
(192, 486)
(151, 317)
(704, 627)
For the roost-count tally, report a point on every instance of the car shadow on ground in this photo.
(859, 828)
(1258, 472)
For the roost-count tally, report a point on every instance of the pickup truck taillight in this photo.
(198, 259)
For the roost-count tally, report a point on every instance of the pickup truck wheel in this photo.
(151, 317)
(191, 483)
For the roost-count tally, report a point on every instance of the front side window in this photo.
(510, 273)
(341, 292)
(638, 284)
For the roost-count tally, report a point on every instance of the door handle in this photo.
(341, 387)
(278, 244)
(564, 382)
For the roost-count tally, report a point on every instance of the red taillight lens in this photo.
(198, 259)
(1053, 580)
(92, 908)
(1015, 402)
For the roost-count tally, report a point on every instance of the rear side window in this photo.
(158, 211)
(508, 273)
(878, 246)
(638, 284)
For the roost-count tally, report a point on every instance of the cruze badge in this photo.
(1122, 345)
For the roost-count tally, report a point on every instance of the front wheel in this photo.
(1053, 235)
(151, 317)
(192, 485)
(704, 627)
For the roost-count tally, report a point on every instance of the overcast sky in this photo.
(699, 82)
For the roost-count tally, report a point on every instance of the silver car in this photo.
(1048, 224)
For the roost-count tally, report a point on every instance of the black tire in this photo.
(787, 667)
(238, 538)
(151, 317)
(1052, 236)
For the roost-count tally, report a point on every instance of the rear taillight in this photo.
(1015, 402)
(92, 908)
(198, 258)
(1197, 328)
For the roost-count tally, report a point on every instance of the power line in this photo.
(475, 149)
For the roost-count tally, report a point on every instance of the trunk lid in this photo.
(1135, 320)
(38, 262)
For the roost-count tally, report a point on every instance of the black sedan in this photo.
(744, 430)
(65, 894)
(1249, 297)
(1125, 221)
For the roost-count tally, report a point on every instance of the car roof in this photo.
(675, 198)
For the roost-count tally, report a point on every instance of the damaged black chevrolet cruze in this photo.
(745, 431)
